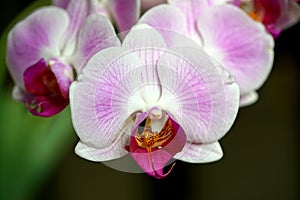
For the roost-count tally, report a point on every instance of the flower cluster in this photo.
(156, 80)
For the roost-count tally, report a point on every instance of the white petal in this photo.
(148, 44)
(201, 96)
(200, 153)
(248, 99)
(100, 99)
(114, 151)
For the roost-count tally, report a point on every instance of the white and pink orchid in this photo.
(45, 48)
(154, 102)
(226, 33)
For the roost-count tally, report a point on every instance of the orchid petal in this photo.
(61, 3)
(290, 15)
(248, 99)
(96, 34)
(148, 44)
(64, 76)
(78, 11)
(100, 100)
(37, 36)
(147, 4)
(200, 153)
(192, 9)
(114, 151)
(124, 12)
(204, 95)
(170, 22)
(249, 59)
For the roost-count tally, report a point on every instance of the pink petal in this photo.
(78, 11)
(201, 95)
(200, 153)
(148, 44)
(37, 36)
(124, 12)
(64, 76)
(100, 101)
(170, 22)
(290, 14)
(191, 9)
(239, 44)
(96, 34)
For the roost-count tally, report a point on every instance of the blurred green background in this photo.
(261, 161)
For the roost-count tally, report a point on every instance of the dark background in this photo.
(261, 158)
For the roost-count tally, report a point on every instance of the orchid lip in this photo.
(153, 147)
(48, 85)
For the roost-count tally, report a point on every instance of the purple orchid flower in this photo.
(226, 33)
(153, 102)
(276, 15)
(45, 48)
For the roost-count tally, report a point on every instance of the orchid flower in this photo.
(153, 102)
(225, 32)
(276, 15)
(45, 48)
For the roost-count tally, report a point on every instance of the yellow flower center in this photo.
(149, 139)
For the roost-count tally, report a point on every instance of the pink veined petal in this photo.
(192, 9)
(148, 44)
(78, 11)
(37, 36)
(170, 22)
(124, 12)
(100, 104)
(96, 34)
(238, 43)
(200, 153)
(201, 95)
